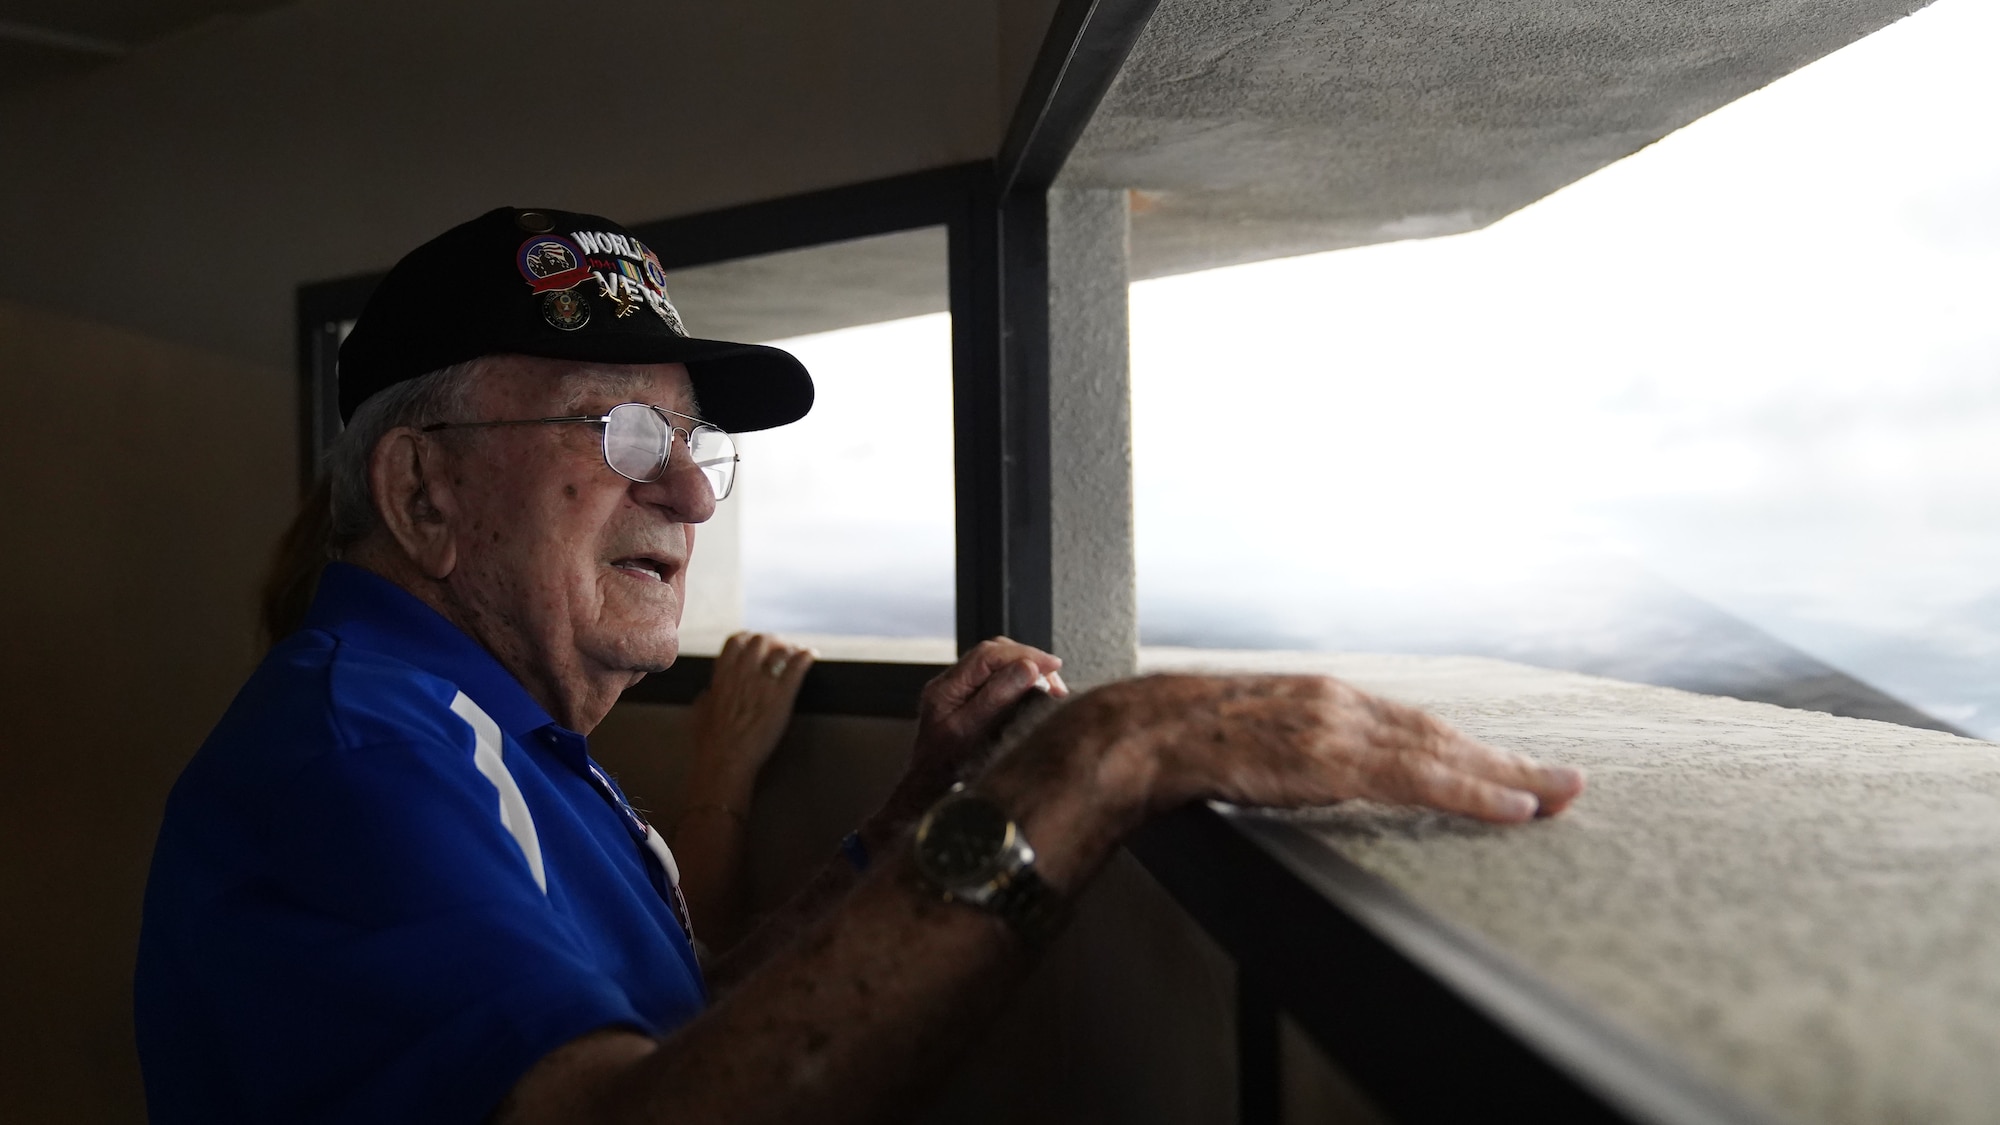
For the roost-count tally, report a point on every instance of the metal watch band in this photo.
(1034, 909)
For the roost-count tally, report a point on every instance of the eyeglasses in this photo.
(639, 439)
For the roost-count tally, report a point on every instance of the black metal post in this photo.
(1259, 1071)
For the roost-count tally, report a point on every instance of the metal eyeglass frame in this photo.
(686, 435)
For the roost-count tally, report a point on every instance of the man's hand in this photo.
(737, 724)
(739, 719)
(1313, 740)
(845, 1022)
(960, 717)
(1104, 764)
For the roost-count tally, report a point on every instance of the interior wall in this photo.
(143, 483)
(828, 773)
(188, 189)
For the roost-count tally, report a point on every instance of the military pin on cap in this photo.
(565, 309)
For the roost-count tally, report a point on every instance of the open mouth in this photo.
(653, 570)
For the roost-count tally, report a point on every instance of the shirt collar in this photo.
(364, 609)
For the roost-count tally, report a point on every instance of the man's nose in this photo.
(682, 493)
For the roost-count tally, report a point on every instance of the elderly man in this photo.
(393, 886)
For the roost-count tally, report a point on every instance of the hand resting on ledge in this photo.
(850, 1004)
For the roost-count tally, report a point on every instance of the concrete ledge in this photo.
(1801, 908)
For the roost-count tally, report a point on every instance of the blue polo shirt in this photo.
(389, 883)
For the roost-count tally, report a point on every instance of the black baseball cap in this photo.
(559, 285)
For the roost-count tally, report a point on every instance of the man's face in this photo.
(563, 566)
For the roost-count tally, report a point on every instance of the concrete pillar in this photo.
(1094, 607)
(1130, 1017)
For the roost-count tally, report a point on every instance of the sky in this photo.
(847, 514)
(1758, 361)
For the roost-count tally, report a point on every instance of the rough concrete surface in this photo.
(1092, 572)
(1804, 909)
(1271, 127)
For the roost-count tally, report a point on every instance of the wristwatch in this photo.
(969, 850)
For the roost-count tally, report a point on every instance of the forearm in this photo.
(859, 1010)
(782, 926)
(855, 1017)
(882, 834)
(846, 1024)
(851, 1019)
(1076, 785)
(1083, 777)
(1067, 786)
(885, 834)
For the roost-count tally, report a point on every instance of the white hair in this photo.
(435, 397)
(444, 395)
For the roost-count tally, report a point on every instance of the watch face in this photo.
(962, 842)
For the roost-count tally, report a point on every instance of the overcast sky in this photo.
(1760, 359)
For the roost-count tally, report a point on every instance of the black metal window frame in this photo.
(1388, 991)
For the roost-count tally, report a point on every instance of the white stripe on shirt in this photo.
(513, 807)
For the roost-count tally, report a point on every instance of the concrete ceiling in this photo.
(40, 41)
(187, 189)
(1254, 129)
(298, 142)
(1265, 129)
(817, 289)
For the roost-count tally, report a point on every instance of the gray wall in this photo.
(188, 189)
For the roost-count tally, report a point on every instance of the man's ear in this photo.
(412, 494)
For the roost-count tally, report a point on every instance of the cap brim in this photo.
(741, 387)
